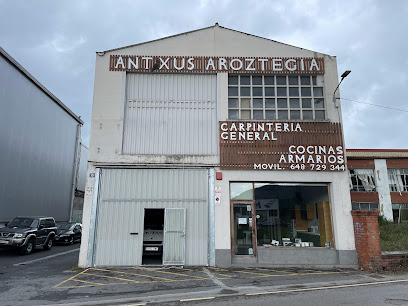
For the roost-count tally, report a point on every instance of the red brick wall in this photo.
(396, 197)
(401, 163)
(395, 261)
(360, 163)
(364, 196)
(367, 237)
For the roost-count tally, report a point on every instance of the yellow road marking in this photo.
(271, 270)
(198, 299)
(168, 279)
(295, 274)
(123, 279)
(199, 277)
(330, 287)
(70, 287)
(262, 274)
(72, 277)
(228, 276)
(82, 281)
(184, 269)
(140, 282)
(218, 269)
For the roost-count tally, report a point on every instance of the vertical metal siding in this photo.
(171, 114)
(124, 195)
(37, 140)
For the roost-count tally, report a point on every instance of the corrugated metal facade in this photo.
(37, 140)
(171, 114)
(125, 193)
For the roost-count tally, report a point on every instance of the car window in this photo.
(42, 222)
(34, 224)
(64, 226)
(21, 222)
(49, 223)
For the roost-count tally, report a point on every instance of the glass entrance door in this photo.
(244, 228)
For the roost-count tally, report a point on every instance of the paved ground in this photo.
(46, 278)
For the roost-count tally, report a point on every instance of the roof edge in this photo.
(377, 150)
(39, 85)
(205, 28)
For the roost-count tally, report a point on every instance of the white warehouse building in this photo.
(220, 148)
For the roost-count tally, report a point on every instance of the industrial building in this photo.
(220, 148)
(40, 140)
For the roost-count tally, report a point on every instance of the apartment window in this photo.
(400, 213)
(361, 179)
(398, 179)
(364, 206)
(266, 97)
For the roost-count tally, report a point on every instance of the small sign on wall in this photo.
(217, 195)
(88, 191)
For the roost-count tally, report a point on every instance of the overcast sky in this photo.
(56, 42)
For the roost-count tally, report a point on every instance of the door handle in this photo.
(134, 233)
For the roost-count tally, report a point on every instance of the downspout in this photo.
(77, 157)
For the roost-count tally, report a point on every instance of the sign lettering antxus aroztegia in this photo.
(214, 64)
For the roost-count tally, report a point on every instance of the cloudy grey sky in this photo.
(56, 42)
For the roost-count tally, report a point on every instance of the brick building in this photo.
(379, 181)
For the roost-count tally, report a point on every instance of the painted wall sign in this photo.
(315, 146)
(202, 64)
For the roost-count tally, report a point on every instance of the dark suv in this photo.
(27, 233)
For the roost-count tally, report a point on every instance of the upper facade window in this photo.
(269, 97)
(362, 180)
(398, 179)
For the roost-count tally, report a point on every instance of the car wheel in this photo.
(71, 240)
(48, 245)
(27, 248)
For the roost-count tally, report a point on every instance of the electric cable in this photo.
(393, 108)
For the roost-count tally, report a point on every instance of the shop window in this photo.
(398, 179)
(400, 213)
(286, 216)
(361, 180)
(292, 216)
(242, 191)
(304, 93)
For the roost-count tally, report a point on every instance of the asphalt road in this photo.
(385, 294)
(23, 278)
(47, 278)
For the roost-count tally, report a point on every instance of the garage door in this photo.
(126, 193)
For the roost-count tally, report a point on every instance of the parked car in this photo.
(68, 232)
(27, 233)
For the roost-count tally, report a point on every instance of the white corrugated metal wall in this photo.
(125, 193)
(170, 114)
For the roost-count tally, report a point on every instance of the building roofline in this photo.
(39, 85)
(205, 28)
(376, 153)
(377, 150)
